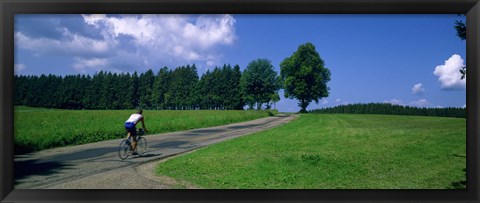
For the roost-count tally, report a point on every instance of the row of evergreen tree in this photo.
(390, 109)
(177, 89)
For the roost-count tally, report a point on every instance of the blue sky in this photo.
(401, 59)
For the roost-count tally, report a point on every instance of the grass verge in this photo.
(334, 151)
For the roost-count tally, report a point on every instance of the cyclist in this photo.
(131, 129)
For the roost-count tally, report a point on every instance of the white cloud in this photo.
(208, 31)
(212, 60)
(449, 73)
(70, 44)
(418, 89)
(324, 102)
(82, 64)
(137, 42)
(341, 102)
(420, 103)
(93, 18)
(19, 68)
(170, 37)
(464, 106)
(394, 101)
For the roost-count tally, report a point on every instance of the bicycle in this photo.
(125, 149)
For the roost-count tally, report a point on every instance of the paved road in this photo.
(97, 166)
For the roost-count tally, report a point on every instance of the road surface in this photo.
(97, 165)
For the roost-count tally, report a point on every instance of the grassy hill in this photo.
(332, 151)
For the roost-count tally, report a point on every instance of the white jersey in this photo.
(134, 118)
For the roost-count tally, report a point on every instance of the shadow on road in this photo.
(85, 154)
(208, 131)
(282, 115)
(244, 126)
(173, 144)
(148, 155)
(23, 169)
(194, 134)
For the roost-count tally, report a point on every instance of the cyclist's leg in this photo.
(133, 133)
(134, 143)
(128, 136)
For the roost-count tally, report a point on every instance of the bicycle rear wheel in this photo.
(141, 146)
(124, 149)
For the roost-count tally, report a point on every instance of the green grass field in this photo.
(334, 151)
(37, 128)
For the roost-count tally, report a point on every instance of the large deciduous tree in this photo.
(259, 82)
(304, 76)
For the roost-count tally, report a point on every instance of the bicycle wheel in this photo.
(124, 149)
(141, 145)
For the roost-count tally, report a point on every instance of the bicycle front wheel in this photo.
(124, 149)
(141, 146)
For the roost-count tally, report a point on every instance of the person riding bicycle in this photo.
(130, 126)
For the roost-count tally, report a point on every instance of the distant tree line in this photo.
(303, 77)
(390, 109)
(177, 89)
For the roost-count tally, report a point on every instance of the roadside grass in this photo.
(36, 129)
(334, 151)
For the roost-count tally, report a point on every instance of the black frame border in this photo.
(8, 8)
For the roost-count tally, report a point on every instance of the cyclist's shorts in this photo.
(131, 128)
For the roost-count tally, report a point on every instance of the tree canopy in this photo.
(304, 76)
(461, 29)
(259, 82)
(177, 89)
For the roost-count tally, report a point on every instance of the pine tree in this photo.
(134, 88)
(145, 89)
(128, 92)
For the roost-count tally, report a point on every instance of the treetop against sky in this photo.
(401, 59)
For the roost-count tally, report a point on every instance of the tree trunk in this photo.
(259, 105)
(303, 105)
